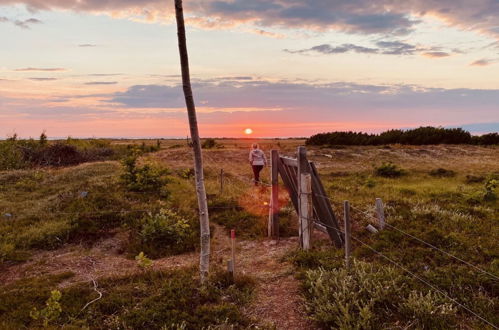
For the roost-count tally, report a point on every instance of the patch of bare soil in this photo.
(104, 259)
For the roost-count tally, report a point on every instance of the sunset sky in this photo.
(86, 68)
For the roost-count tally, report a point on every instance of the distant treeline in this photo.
(418, 136)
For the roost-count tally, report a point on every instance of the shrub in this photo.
(442, 172)
(490, 190)
(186, 173)
(52, 309)
(209, 144)
(144, 178)
(428, 311)
(357, 299)
(143, 261)
(11, 157)
(164, 233)
(389, 170)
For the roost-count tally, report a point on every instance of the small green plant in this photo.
(186, 173)
(490, 190)
(142, 261)
(389, 170)
(52, 309)
(428, 311)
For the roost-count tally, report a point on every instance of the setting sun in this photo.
(248, 131)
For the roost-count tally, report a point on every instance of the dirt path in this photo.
(278, 302)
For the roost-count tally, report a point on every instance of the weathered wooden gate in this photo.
(301, 179)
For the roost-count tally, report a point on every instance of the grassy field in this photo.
(103, 213)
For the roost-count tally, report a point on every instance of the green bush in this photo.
(164, 233)
(362, 298)
(389, 170)
(428, 311)
(146, 178)
(490, 190)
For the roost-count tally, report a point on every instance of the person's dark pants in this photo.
(256, 172)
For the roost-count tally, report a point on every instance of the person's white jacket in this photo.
(257, 157)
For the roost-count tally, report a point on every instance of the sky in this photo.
(284, 68)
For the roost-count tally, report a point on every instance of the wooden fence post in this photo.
(221, 181)
(306, 210)
(273, 226)
(380, 213)
(304, 179)
(346, 216)
(231, 264)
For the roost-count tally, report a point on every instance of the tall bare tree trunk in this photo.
(204, 260)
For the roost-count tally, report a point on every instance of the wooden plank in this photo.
(289, 161)
(288, 184)
(326, 214)
(273, 230)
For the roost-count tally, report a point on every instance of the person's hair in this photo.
(254, 146)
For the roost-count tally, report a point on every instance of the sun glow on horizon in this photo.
(248, 131)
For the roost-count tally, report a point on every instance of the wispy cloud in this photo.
(104, 74)
(393, 47)
(42, 79)
(101, 83)
(24, 24)
(436, 54)
(483, 62)
(32, 69)
(87, 45)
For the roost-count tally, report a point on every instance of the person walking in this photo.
(257, 161)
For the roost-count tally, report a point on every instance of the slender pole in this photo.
(204, 259)
(221, 181)
(346, 217)
(273, 230)
(233, 248)
(380, 213)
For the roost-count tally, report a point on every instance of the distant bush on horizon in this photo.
(418, 136)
